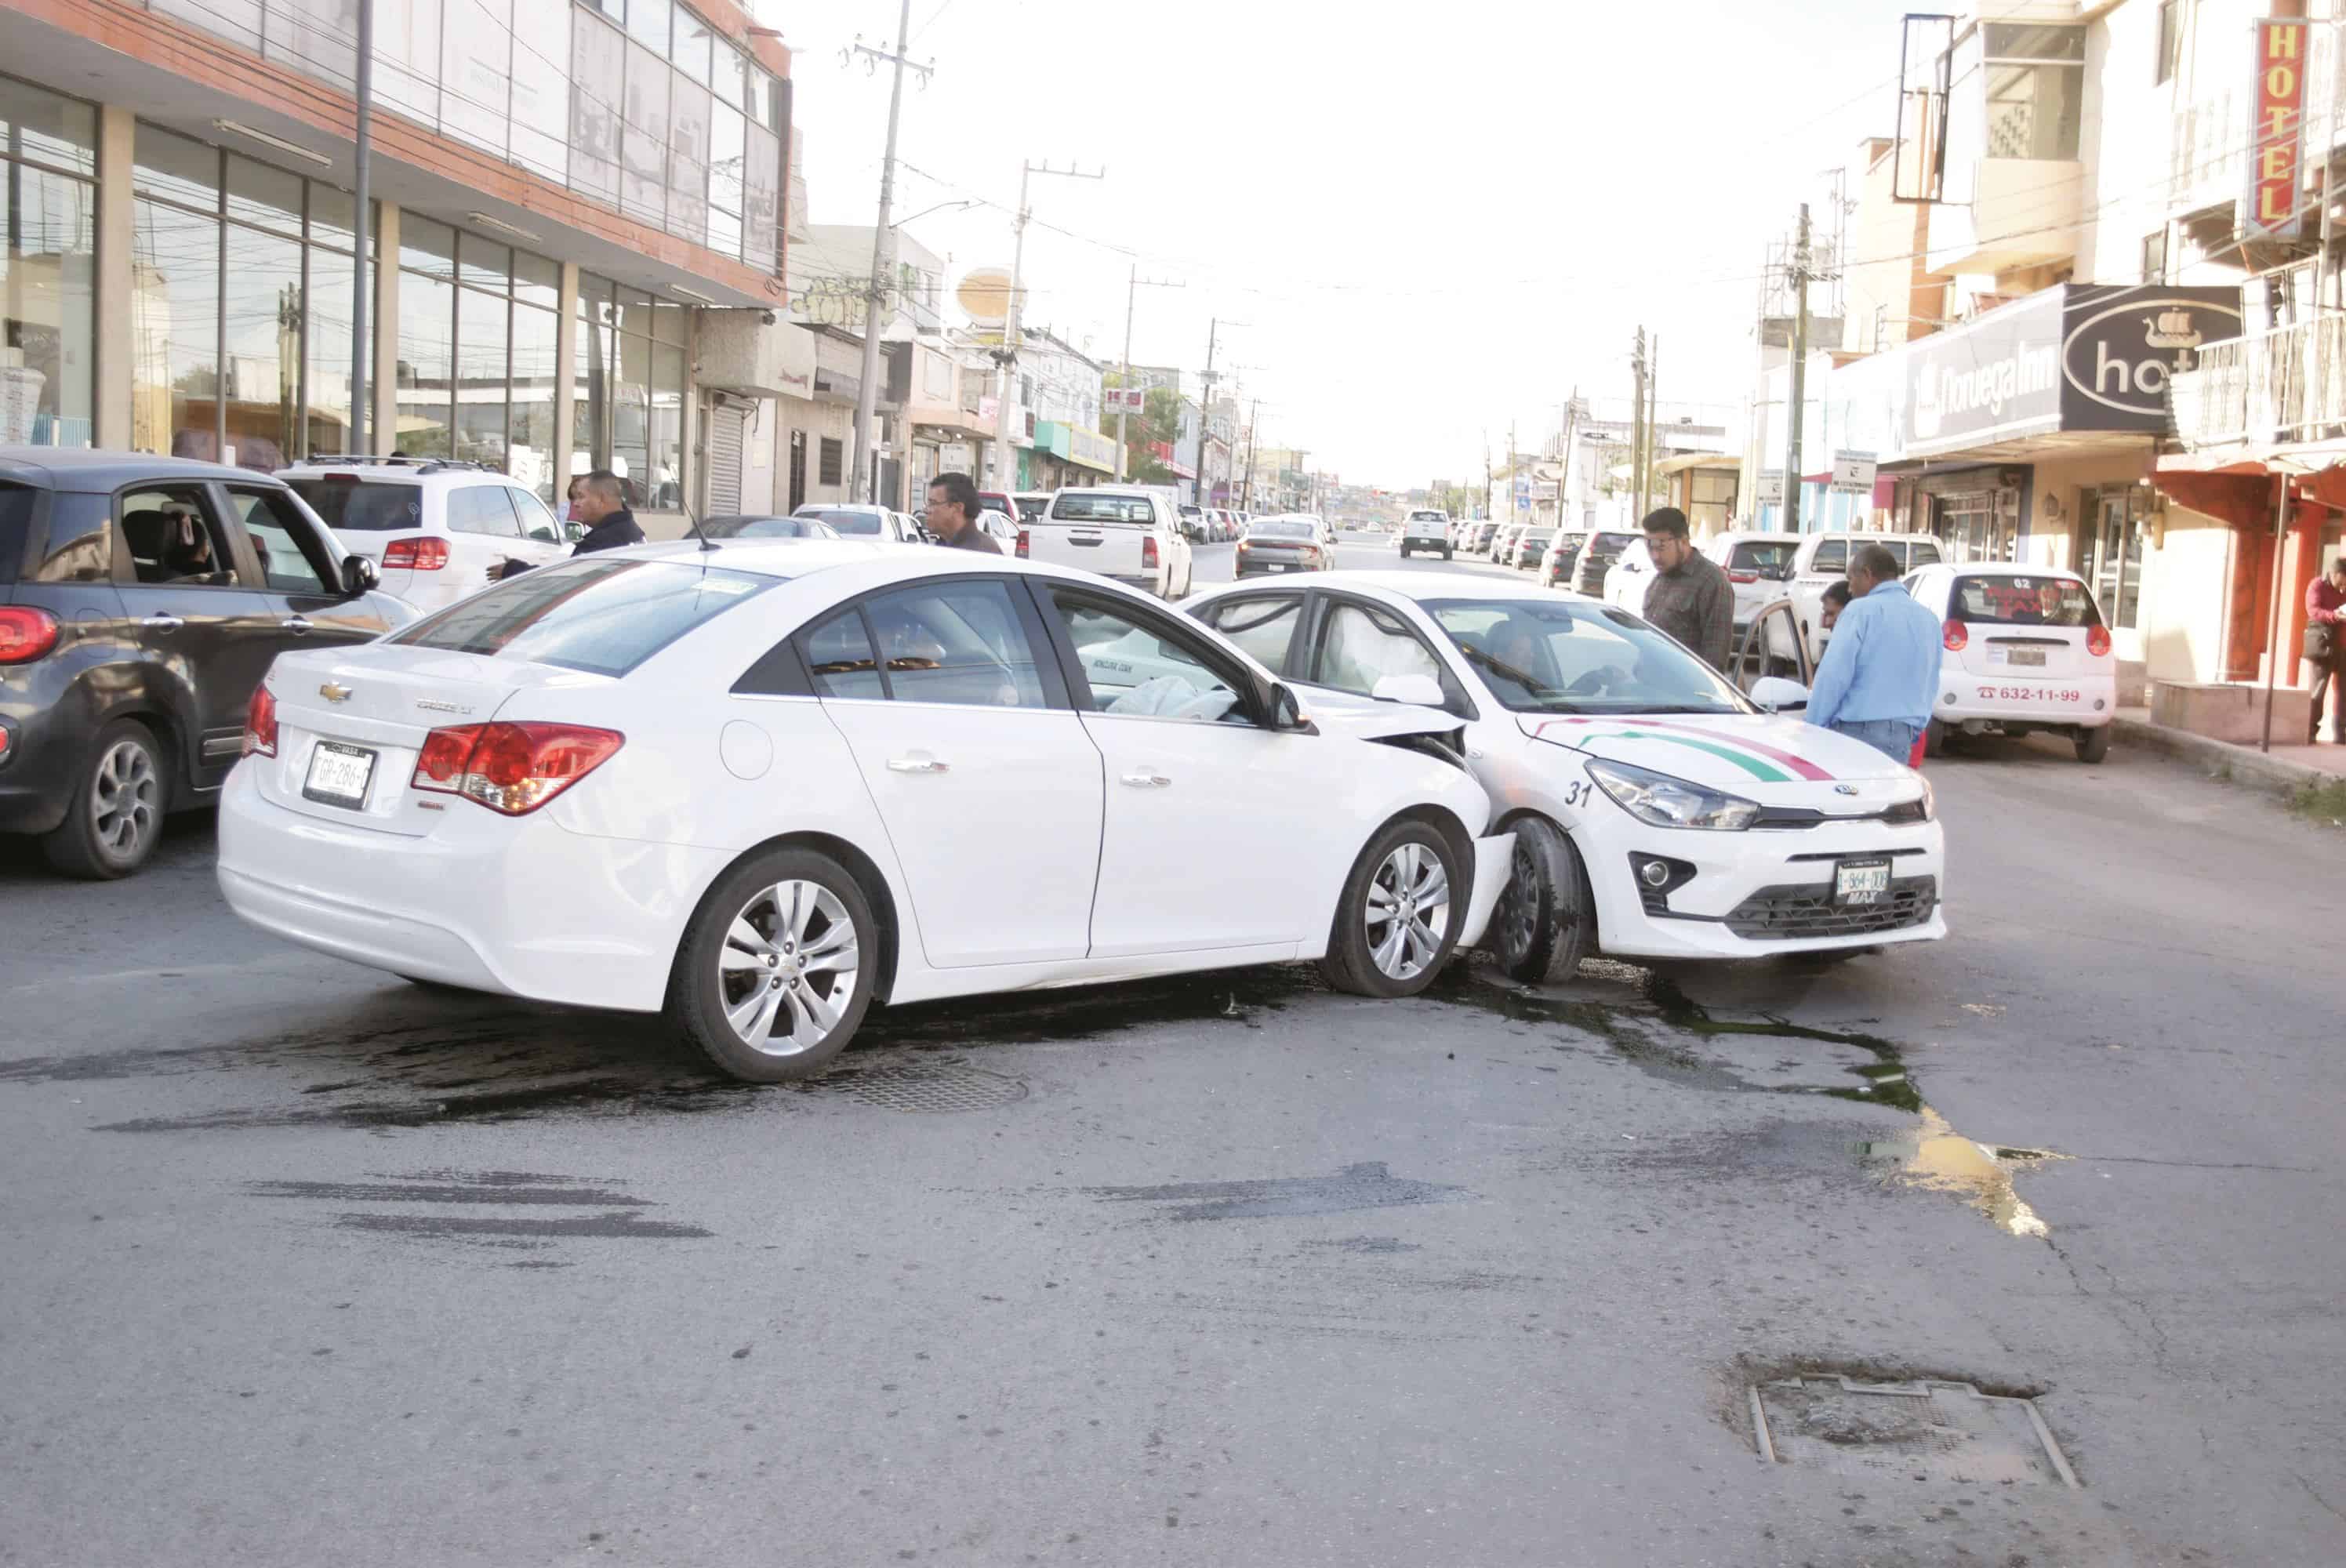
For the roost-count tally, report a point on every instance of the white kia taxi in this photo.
(2026, 651)
(1658, 812)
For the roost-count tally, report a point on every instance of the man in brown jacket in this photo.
(952, 514)
(1690, 597)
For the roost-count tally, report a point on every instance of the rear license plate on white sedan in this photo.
(339, 774)
(1276, 566)
(2024, 657)
(1861, 882)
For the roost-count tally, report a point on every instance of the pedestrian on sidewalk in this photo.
(1881, 667)
(599, 500)
(2325, 596)
(952, 514)
(1689, 598)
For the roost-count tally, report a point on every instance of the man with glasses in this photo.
(1690, 597)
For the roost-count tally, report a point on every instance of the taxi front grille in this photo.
(1782, 914)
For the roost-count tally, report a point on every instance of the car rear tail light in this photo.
(1743, 576)
(2098, 641)
(511, 768)
(1023, 552)
(421, 554)
(26, 632)
(1148, 553)
(261, 724)
(1956, 636)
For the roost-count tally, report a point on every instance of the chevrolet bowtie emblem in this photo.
(332, 692)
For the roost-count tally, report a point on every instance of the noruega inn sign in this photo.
(2076, 357)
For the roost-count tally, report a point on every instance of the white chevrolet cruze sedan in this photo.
(764, 785)
(1657, 811)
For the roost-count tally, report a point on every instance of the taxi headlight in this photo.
(1921, 809)
(1669, 802)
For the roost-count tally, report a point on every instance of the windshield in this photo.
(599, 615)
(362, 505)
(1568, 545)
(1077, 507)
(1561, 655)
(1279, 531)
(844, 522)
(765, 528)
(2045, 601)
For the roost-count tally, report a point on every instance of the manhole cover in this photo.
(930, 1086)
(1926, 1431)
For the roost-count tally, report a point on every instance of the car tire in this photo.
(742, 972)
(1403, 859)
(1546, 919)
(2094, 744)
(115, 815)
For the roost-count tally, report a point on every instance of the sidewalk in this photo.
(2286, 768)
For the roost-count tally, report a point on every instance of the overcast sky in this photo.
(1417, 223)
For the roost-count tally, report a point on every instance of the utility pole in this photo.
(1799, 374)
(1638, 426)
(1653, 420)
(1003, 475)
(863, 477)
(1131, 291)
(1205, 411)
(365, 133)
(1254, 417)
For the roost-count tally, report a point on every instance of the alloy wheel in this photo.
(1409, 912)
(123, 795)
(788, 970)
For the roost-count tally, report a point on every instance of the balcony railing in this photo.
(2284, 385)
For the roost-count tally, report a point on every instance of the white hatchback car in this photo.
(1657, 811)
(436, 531)
(759, 787)
(2025, 651)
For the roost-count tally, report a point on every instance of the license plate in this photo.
(2024, 655)
(339, 774)
(1861, 882)
(1276, 566)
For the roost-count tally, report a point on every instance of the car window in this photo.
(174, 538)
(1833, 555)
(1771, 645)
(599, 615)
(1606, 548)
(1923, 553)
(81, 535)
(536, 519)
(289, 550)
(839, 657)
(1360, 646)
(2034, 601)
(956, 642)
(1766, 557)
(1077, 507)
(1263, 626)
(1544, 656)
(348, 503)
(866, 523)
(1140, 671)
(1282, 530)
(482, 509)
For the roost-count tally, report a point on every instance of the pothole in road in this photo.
(1930, 1431)
(1666, 1033)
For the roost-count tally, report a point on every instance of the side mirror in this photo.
(1286, 713)
(360, 575)
(1421, 690)
(1779, 695)
(574, 532)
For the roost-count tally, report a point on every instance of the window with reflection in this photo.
(48, 291)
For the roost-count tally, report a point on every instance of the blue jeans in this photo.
(1894, 738)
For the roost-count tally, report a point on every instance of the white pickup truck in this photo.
(1127, 532)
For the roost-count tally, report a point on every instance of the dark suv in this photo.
(141, 600)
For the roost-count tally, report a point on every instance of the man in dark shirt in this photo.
(601, 505)
(952, 514)
(1689, 598)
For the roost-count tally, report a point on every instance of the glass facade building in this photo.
(48, 163)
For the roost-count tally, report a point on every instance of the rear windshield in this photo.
(1608, 546)
(1427, 518)
(2022, 602)
(1032, 507)
(761, 527)
(1538, 535)
(1078, 508)
(362, 505)
(1917, 553)
(1763, 555)
(849, 521)
(1279, 531)
(604, 616)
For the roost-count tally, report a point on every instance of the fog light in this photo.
(1950, 698)
(1656, 873)
(2099, 705)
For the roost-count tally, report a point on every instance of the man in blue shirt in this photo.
(1880, 669)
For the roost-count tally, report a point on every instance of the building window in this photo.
(834, 452)
(476, 352)
(631, 370)
(239, 305)
(2154, 257)
(48, 151)
(2036, 89)
(2170, 40)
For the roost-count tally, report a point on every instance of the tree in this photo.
(1159, 420)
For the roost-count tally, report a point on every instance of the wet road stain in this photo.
(1357, 1187)
(410, 1200)
(1936, 1158)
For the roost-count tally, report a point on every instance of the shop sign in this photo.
(1772, 487)
(1091, 449)
(2122, 346)
(2269, 205)
(1852, 472)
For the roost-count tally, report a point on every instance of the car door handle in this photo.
(297, 625)
(163, 623)
(917, 763)
(1147, 781)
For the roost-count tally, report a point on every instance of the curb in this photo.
(2245, 766)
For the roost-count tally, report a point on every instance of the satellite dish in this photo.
(984, 295)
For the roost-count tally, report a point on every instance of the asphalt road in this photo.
(303, 1265)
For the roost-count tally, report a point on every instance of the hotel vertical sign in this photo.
(2269, 207)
